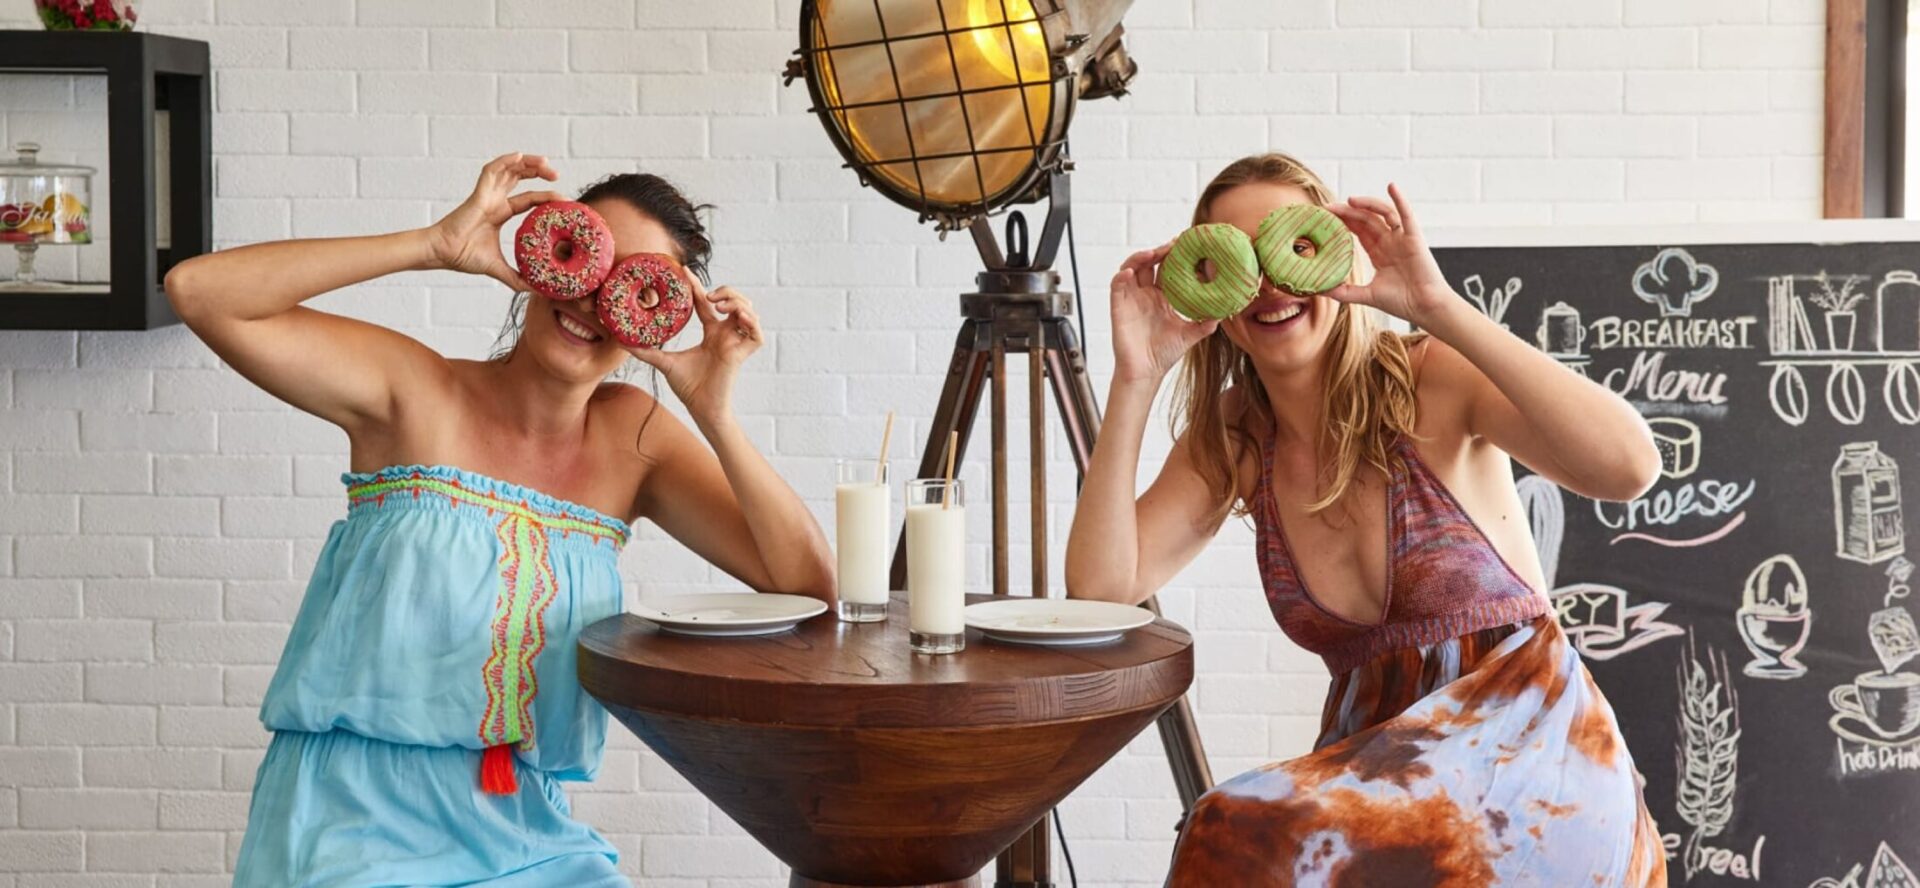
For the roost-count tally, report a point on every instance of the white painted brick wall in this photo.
(158, 516)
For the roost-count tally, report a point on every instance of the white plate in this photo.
(730, 613)
(1055, 621)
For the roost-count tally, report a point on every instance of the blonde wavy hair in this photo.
(1368, 402)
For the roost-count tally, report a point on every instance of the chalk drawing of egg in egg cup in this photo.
(1775, 619)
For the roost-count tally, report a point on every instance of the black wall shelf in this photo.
(145, 73)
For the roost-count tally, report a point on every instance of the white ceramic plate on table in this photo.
(730, 613)
(1055, 621)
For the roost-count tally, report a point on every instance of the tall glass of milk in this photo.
(863, 532)
(936, 566)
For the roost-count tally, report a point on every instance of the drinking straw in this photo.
(880, 469)
(953, 444)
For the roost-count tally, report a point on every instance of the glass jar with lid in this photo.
(42, 203)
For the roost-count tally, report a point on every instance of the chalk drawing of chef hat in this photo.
(1673, 281)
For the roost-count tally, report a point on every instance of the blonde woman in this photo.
(1463, 742)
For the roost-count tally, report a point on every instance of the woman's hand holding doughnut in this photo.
(1304, 249)
(702, 377)
(1211, 272)
(468, 239)
(563, 250)
(645, 300)
(1407, 281)
(1148, 335)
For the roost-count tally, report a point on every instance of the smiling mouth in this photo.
(573, 327)
(1278, 316)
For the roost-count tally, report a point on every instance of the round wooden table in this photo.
(856, 761)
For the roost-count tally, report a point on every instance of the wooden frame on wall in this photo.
(146, 73)
(1844, 179)
(1864, 137)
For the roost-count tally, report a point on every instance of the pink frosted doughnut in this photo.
(564, 250)
(645, 300)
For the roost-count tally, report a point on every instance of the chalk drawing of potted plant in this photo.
(1840, 303)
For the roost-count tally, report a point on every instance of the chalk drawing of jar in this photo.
(1561, 334)
(1898, 312)
(1774, 618)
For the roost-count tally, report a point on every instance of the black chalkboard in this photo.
(1750, 617)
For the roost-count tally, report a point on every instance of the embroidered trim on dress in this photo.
(376, 491)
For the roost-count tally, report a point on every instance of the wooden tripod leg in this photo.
(959, 404)
(1028, 862)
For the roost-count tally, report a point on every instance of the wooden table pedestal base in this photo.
(860, 764)
(800, 881)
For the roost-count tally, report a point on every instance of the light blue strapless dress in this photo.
(438, 632)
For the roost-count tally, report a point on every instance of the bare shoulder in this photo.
(1445, 386)
(429, 400)
(636, 423)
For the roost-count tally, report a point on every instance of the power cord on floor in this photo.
(1060, 830)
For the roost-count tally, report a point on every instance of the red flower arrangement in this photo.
(86, 15)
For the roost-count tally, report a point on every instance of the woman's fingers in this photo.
(1147, 258)
(1140, 289)
(503, 171)
(1359, 294)
(1369, 227)
(527, 200)
(1378, 207)
(499, 270)
(502, 163)
(1405, 209)
(1361, 219)
(1136, 260)
(653, 357)
(749, 324)
(739, 309)
(1198, 330)
(529, 166)
(702, 302)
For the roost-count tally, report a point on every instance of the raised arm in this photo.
(728, 504)
(245, 303)
(1555, 421)
(1121, 549)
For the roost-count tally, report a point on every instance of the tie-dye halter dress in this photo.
(426, 709)
(1463, 743)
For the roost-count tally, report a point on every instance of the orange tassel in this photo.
(496, 770)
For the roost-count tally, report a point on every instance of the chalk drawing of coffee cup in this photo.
(1886, 704)
(1678, 441)
(1673, 281)
(1774, 618)
(1561, 334)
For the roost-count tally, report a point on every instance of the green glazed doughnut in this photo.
(1236, 274)
(1285, 235)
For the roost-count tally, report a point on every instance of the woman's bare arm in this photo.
(727, 503)
(1559, 423)
(1121, 549)
(245, 303)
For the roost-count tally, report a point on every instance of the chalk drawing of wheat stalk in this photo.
(1709, 753)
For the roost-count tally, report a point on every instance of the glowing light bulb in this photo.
(1029, 47)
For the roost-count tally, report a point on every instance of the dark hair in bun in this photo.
(659, 198)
